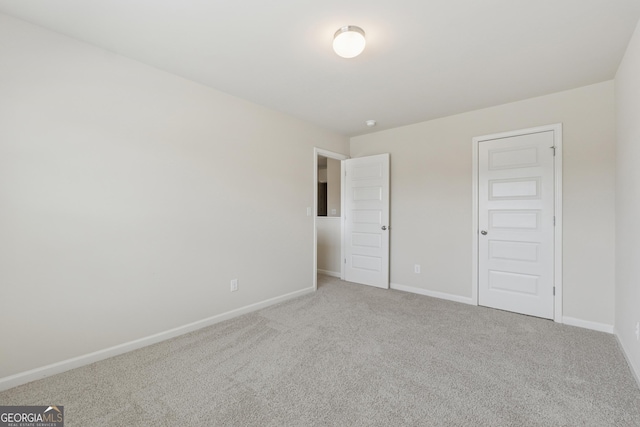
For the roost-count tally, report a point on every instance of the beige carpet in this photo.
(355, 355)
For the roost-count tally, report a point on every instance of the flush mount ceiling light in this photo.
(348, 41)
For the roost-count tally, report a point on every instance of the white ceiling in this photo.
(424, 58)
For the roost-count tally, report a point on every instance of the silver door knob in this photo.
(384, 227)
(484, 233)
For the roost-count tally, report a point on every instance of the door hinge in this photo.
(554, 150)
(345, 260)
(554, 291)
(554, 221)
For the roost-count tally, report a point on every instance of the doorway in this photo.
(363, 218)
(329, 216)
(517, 229)
(328, 223)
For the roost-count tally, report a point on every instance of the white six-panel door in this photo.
(367, 220)
(516, 224)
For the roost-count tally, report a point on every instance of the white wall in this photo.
(431, 195)
(322, 175)
(129, 198)
(329, 245)
(628, 202)
(334, 185)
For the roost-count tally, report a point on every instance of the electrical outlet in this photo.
(416, 268)
(234, 285)
(638, 331)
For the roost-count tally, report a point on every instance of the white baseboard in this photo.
(601, 327)
(635, 372)
(434, 294)
(76, 362)
(329, 273)
(571, 321)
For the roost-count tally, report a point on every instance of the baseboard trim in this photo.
(434, 294)
(634, 372)
(600, 327)
(76, 362)
(329, 273)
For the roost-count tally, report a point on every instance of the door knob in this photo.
(484, 233)
(384, 227)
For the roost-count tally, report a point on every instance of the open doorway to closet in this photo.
(328, 217)
(328, 223)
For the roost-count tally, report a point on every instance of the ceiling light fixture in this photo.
(371, 123)
(349, 41)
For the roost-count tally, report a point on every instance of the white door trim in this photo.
(329, 154)
(557, 264)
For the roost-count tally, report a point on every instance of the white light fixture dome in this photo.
(349, 41)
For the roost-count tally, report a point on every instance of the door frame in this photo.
(557, 241)
(331, 155)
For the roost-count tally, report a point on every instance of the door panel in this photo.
(516, 211)
(513, 251)
(513, 282)
(366, 212)
(517, 220)
(511, 158)
(522, 189)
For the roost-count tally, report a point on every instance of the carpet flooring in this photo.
(352, 355)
